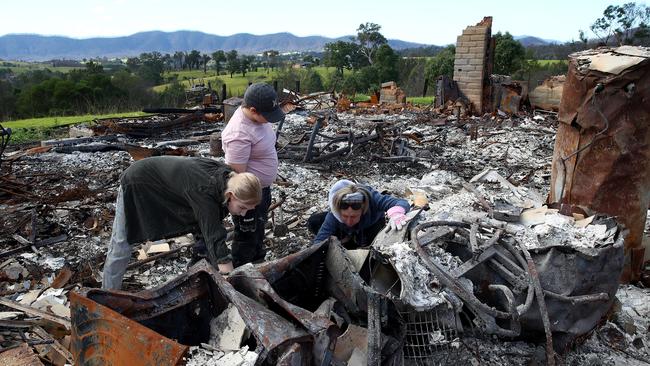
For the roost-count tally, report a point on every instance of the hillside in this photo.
(31, 47)
(535, 41)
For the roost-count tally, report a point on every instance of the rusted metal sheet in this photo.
(101, 336)
(180, 310)
(506, 94)
(446, 90)
(273, 271)
(249, 281)
(602, 151)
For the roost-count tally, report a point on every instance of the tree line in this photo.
(152, 66)
(91, 90)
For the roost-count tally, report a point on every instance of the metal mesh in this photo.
(429, 335)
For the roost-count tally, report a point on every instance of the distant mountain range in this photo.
(534, 41)
(32, 47)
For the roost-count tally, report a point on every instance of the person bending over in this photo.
(167, 196)
(357, 215)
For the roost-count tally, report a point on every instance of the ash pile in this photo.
(487, 272)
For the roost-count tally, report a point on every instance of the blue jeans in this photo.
(119, 250)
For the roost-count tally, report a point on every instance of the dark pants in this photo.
(248, 240)
(362, 238)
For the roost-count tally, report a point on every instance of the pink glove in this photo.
(396, 218)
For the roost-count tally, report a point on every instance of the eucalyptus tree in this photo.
(369, 39)
(218, 57)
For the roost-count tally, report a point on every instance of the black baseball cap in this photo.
(263, 98)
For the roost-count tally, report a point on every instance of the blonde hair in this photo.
(246, 187)
(353, 188)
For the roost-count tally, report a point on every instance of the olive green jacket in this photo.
(167, 196)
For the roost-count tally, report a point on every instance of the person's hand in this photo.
(396, 218)
(225, 268)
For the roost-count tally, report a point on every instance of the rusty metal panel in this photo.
(602, 152)
(180, 309)
(101, 336)
(249, 281)
(510, 101)
(274, 270)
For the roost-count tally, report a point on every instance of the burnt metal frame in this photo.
(522, 275)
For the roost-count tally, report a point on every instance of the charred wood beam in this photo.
(38, 244)
(343, 150)
(278, 203)
(77, 140)
(29, 343)
(89, 148)
(17, 324)
(312, 138)
(135, 129)
(14, 189)
(374, 328)
(36, 312)
(184, 142)
(63, 351)
(181, 110)
(394, 159)
(331, 155)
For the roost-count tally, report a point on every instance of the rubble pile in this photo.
(58, 210)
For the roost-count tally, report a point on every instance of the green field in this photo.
(19, 67)
(49, 122)
(35, 129)
(420, 100)
(235, 85)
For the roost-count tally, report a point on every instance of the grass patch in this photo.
(19, 67)
(35, 129)
(49, 122)
(412, 100)
(27, 135)
(420, 100)
(360, 98)
(550, 62)
(235, 85)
